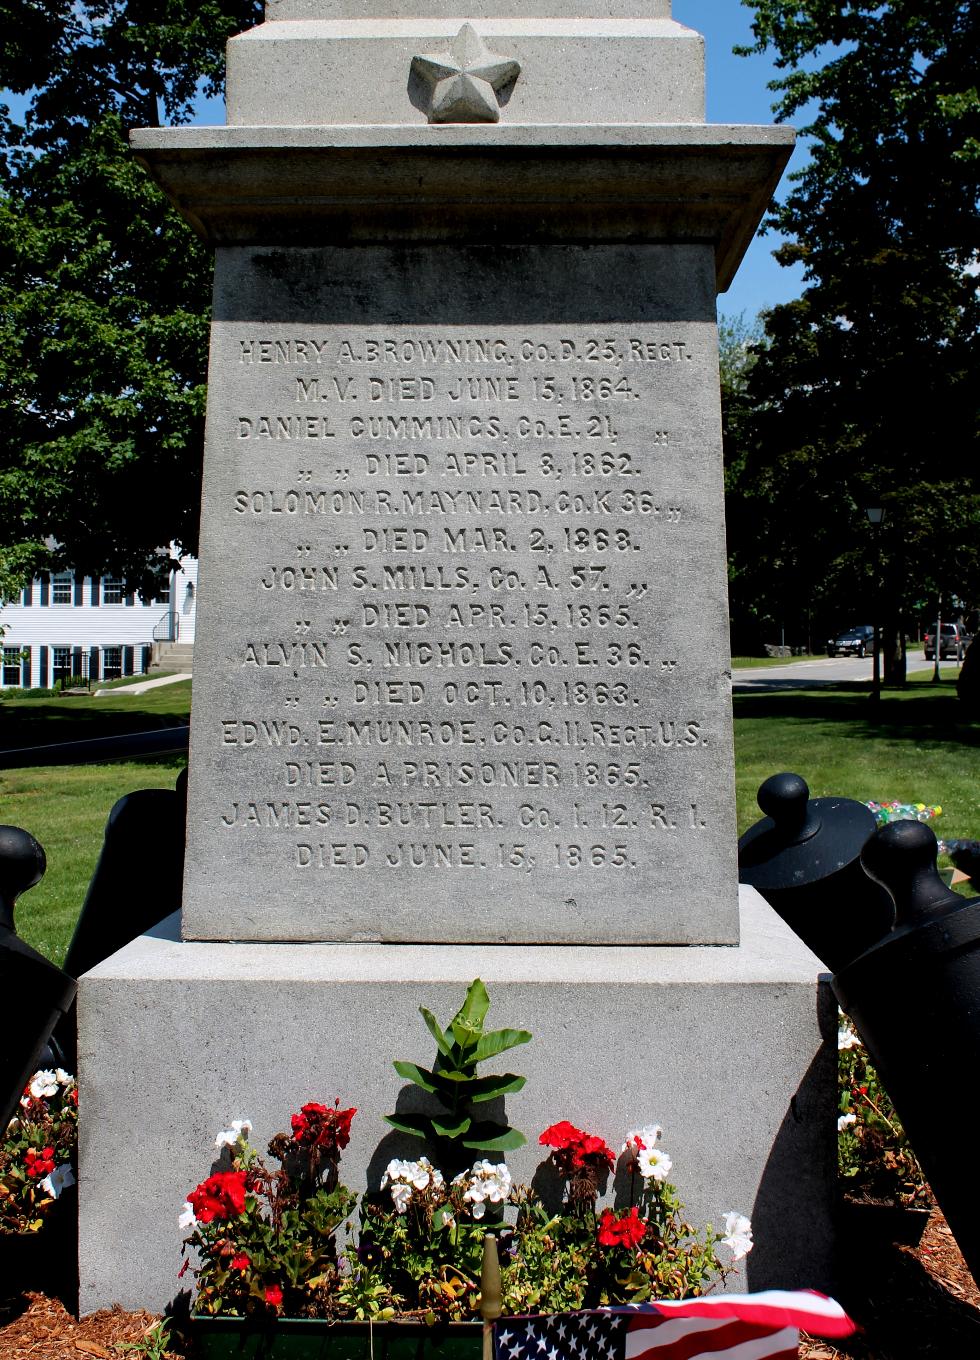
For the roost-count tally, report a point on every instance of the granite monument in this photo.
(462, 691)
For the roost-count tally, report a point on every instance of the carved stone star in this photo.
(465, 80)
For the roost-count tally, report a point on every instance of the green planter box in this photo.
(300, 1339)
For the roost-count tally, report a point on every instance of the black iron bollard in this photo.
(136, 884)
(804, 857)
(137, 881)
(914, 999)
(34, 994)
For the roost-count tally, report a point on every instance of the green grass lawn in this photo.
(919, 750)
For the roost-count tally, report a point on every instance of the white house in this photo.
(66, 625)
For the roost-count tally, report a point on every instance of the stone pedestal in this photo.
(462, 689)
(724, 1047)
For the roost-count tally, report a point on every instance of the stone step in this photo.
(172, 656)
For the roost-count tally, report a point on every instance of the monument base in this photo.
(729, 1048)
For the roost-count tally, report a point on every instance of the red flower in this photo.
(320, 1127)
(220, 1196)
(39, 1164)
(581, 1149)
(590, 1147)
(560, 1135)
(273, 1295)
(240, 1261)
(627, 1231)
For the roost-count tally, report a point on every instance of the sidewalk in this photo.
(144, 685)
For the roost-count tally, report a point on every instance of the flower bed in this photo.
(291, 1240)
(38, 1151)
(875, 1162)
(38, 1228)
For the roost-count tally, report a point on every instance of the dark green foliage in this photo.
(458, 1131)
(864, 390)
(104, 291)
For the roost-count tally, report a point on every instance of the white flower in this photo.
(44, 1083)
(65, 1078)
(240, 1128)
(846, 1038)
(654, 1164)
(60, 1179)
(484, 1181)
(187, 1217)
(738, 1235)
(638, 1139)
(844, 1120)
(401, 1196)
(403, 1177)
(422, 1174)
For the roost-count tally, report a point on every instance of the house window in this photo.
(113, 590)
(62, 583)
(11, 665)
(111, 663)
(163, 594)
(61, 668)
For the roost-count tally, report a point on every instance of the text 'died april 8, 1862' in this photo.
(459, 555)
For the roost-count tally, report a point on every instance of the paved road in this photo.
(825, 671)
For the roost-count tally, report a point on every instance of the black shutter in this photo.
(96, 585)
(93, 663)
(42, 667)
(147, 656)
(45, 588)
(79, 587)
(127, 661)
(26, 672)
(76, 661)
(28, 594)
(129, 599)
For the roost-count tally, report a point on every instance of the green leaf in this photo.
(421, 1076)
(418, 1124)
(435, 1029)
(488, 1088)
(467, 1023)
(498, 1041)
(487, 1137)
(446, 1126)
(441, 1216)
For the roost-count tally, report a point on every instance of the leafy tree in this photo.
(104, 291)
(864, 391)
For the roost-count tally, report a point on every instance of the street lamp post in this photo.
(876, 517)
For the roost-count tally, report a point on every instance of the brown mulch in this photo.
(912, 1303)
(34, 1327)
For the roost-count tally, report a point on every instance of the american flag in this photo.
(762, 1326)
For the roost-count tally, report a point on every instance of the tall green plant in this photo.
(457, 1132)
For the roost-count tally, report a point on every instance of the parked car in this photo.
(857, 641)
(953, 643)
